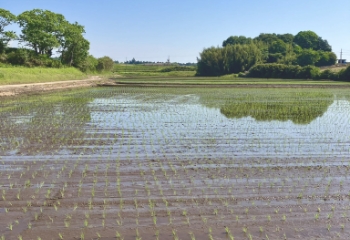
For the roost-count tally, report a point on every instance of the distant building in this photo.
(341, 61)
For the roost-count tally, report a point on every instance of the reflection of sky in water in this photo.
(183, 127)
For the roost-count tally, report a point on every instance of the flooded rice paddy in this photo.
(176, 163)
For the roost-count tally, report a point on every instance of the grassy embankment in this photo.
(335, 68)
(157, 75)
(24, 75)
(142, 74)
(139, 70)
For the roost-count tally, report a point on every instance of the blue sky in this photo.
(155, 29)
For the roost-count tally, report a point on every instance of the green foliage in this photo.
(287, 37)
(267, 38)
(104, 64)
(284, 71)
(28, 58)
(41, 29)
(310, 40)
(323, 45)
(278, 46)
(297, 107)
(232, 40)
(211, 62)
(308, 57)
(326, 59)
(307, 39)
(177, 68)
(6, 18)
(89, 64)
(74, 47)
(309, 72)
(344, 74)
(44, 31)
(238, 53)
(230, 59)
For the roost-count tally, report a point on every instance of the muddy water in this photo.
(183, 126)
(151, 163)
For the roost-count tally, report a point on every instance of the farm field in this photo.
(176, 163)
(227, 81)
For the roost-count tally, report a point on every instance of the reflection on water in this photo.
(299, 108)
(43, 124)
(144, 123)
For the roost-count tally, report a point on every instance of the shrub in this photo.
(177, 68)
(345, 74)
(284, 71)
(104, 64)
(88, 65)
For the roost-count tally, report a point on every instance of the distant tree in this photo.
(308, 57)
(278, 46)
(326, 59)
(323, 45)
(230, 59)
(307, 39)
(210, 62)
(267, 38)
(297, 49)
(236, 40)
(6, 18)
(287, 37)
(239, 58)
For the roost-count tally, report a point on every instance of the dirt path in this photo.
(32, 88)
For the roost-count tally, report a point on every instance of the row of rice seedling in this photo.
(146, 163)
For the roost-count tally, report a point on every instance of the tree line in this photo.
(42, 34)
(296, 72)
(239, 53)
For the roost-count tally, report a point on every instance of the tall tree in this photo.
(41, 29)
(45, 31)
(323, 45)
(6, 18)
(230, 59)
(267, 38)
(287, 37)
(308, 57)
(74, 47)
(307, 39)
(232, 40)
(278, 46)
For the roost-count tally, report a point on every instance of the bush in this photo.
(309, 72)
(230, 59)
(88, 65)
(177, 68)
(344, 74)
(284, 71)
(105, 64)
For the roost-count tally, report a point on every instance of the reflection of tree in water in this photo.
(45, 124)
(299, 108)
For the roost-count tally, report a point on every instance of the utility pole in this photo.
(168, 60)
(341, 56)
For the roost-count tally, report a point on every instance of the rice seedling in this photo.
(155, 153)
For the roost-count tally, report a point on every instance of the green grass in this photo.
(139, 70)
(23, 75)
